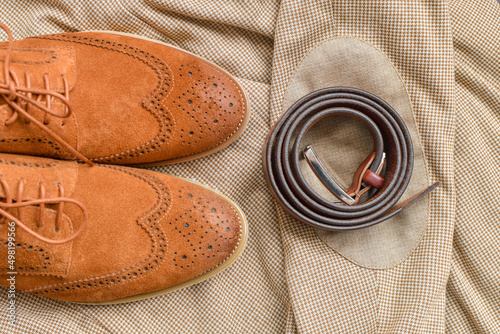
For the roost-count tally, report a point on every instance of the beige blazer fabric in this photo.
(289, 280)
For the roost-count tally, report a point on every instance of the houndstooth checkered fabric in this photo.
(287, 280)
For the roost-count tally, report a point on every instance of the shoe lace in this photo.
(21, 98)
(9, 205)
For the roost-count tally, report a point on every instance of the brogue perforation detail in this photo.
(44, 254)
(191, 103)
(56, 148)
(211, 233)
(50, 59)
(29, 164)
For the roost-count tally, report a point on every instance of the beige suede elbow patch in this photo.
(344, 143)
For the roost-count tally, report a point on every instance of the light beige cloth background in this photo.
(288, 280)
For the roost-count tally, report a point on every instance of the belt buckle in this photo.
(363, 179)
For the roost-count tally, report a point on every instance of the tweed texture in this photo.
(288, 280)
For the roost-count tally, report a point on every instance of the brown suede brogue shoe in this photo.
(114, 98)
(110, 234)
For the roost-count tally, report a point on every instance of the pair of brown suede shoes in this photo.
(76, 107)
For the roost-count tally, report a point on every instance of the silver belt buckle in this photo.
(327, 178)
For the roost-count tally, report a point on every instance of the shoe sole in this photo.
(216, 148)
(212, 272)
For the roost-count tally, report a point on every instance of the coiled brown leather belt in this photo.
(391, 139)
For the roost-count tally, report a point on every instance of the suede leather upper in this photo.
(133, 101)
(146, 231)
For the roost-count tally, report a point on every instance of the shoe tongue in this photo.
(54, 61)
(33, 256)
